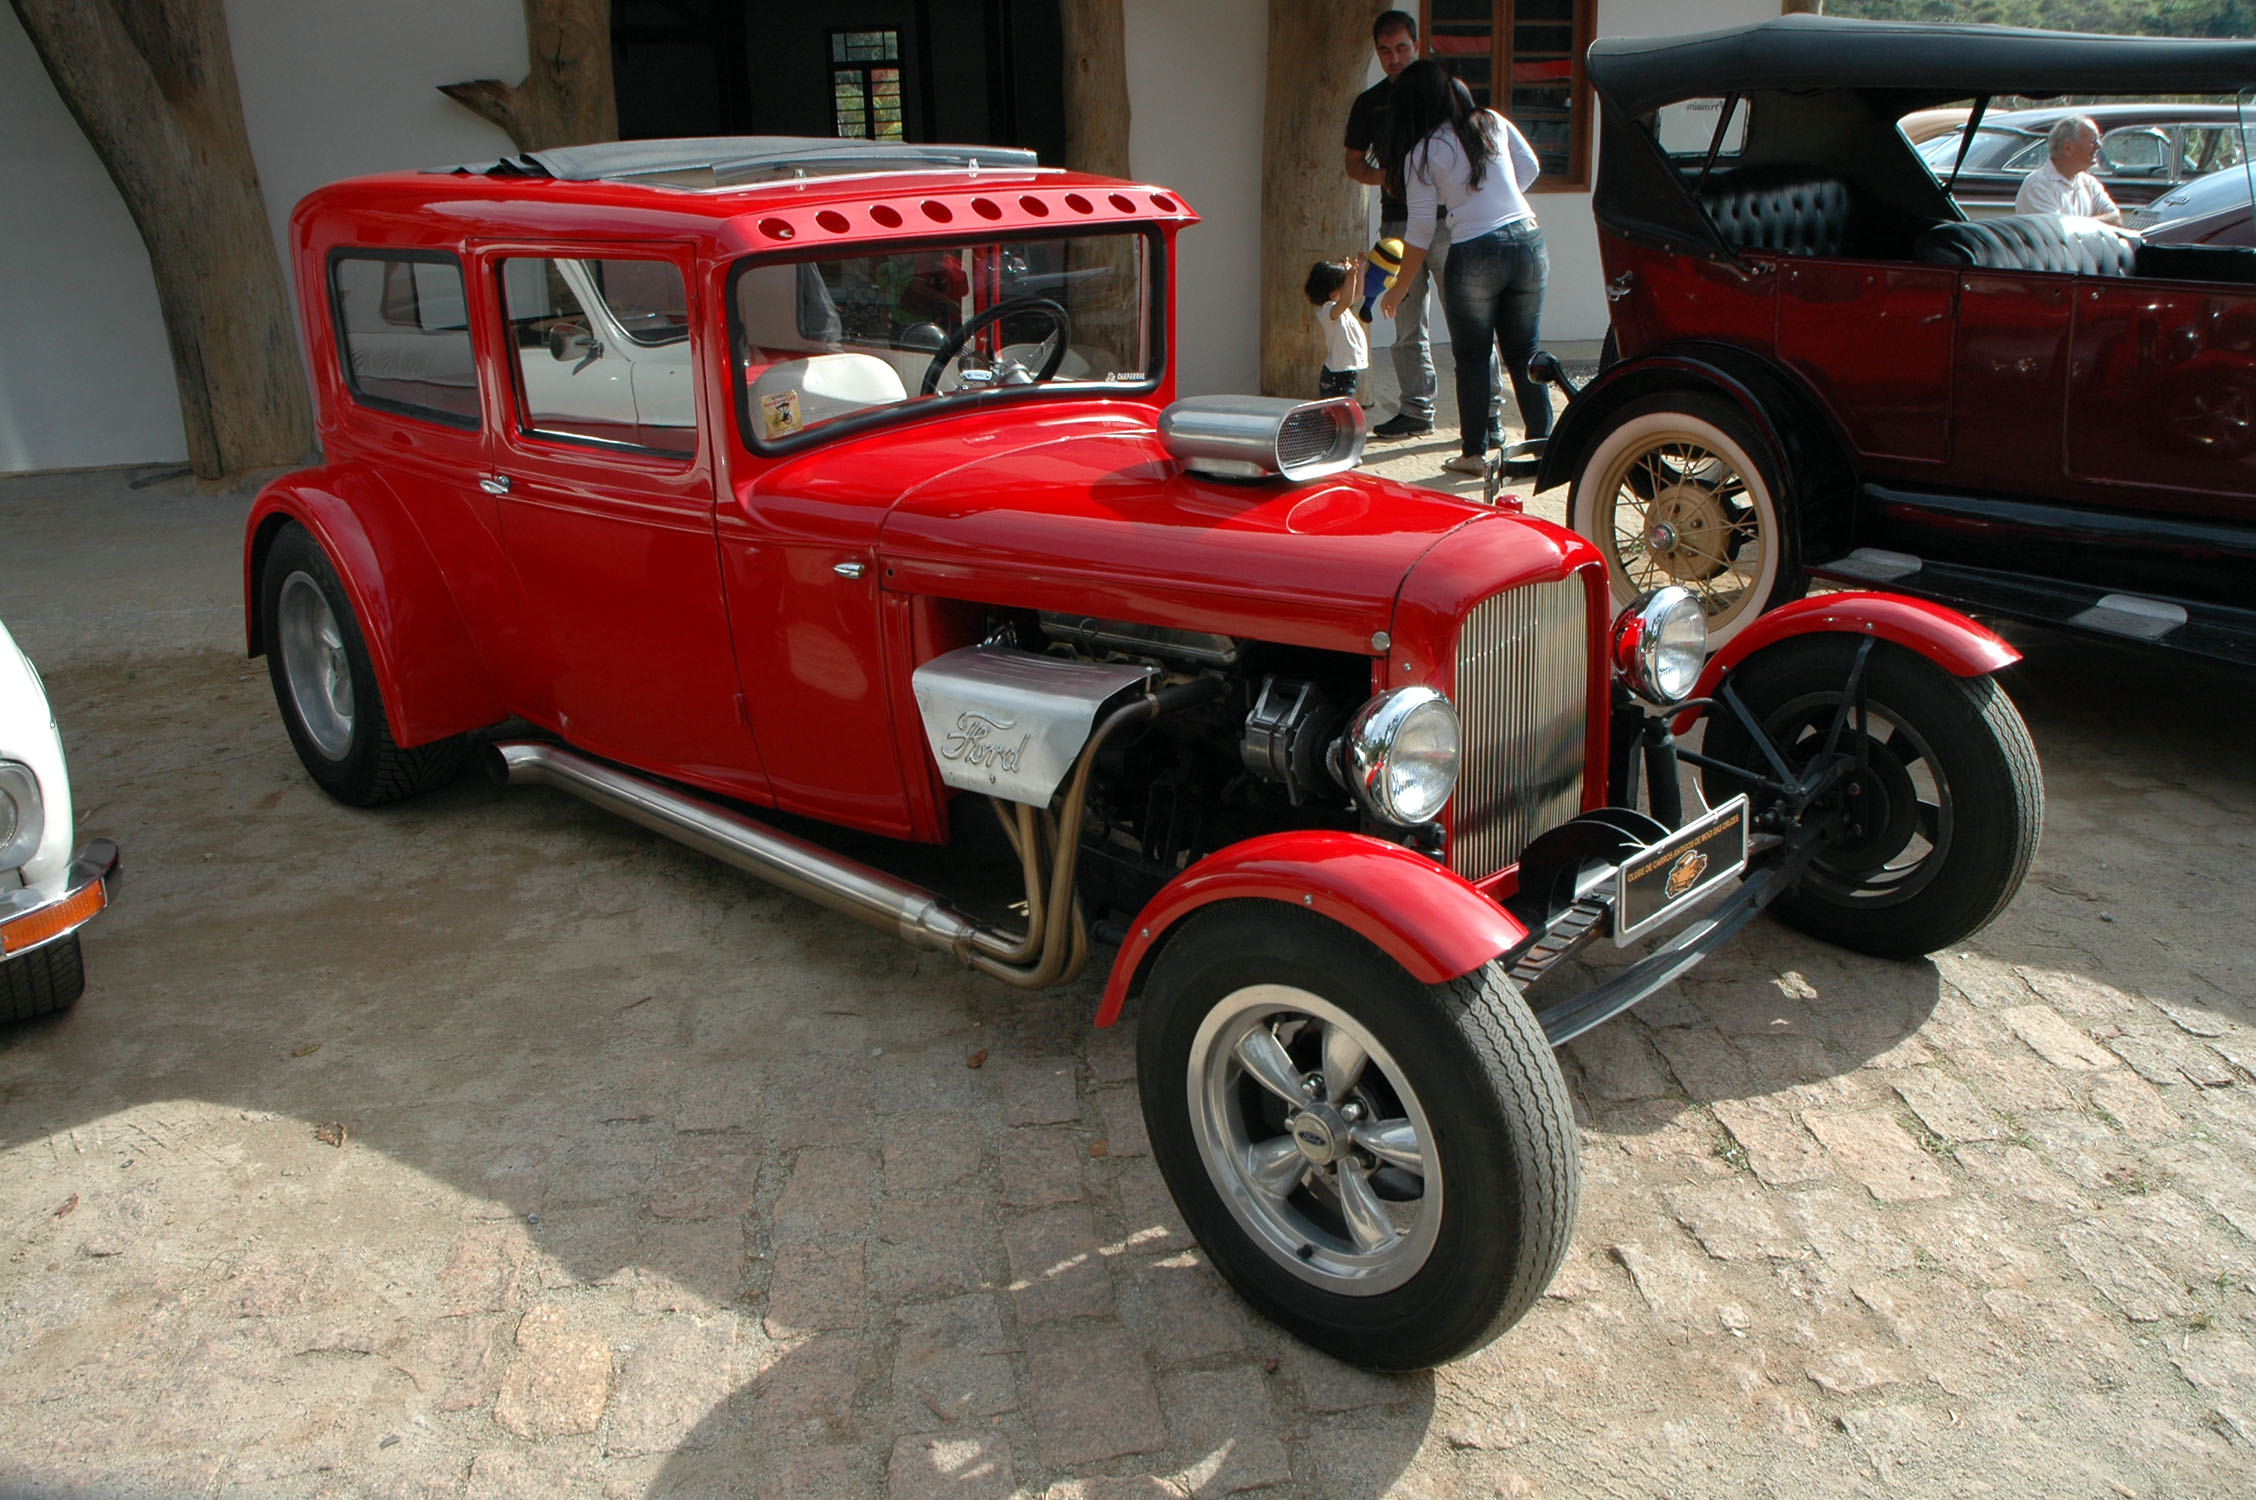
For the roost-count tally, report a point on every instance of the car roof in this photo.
(735, 194)
(1916, 62)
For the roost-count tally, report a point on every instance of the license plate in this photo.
(1655, 884)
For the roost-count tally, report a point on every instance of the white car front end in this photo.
(48, 890)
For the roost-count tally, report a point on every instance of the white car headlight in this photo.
(23, 818)
(1401, 757)
(1661, 643)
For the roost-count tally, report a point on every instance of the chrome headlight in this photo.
(23, 818)
(1661, 643)
(1402, 755)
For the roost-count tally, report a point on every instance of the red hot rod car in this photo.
(850, 481)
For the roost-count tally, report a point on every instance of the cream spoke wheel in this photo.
(1675, 493)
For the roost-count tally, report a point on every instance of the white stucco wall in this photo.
(1197, 73)
(330, 88)
(84, 374)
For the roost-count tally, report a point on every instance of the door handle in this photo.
(847, 569)
(495, 484)
(1619, 287)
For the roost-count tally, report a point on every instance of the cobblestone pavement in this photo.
(487, 1146)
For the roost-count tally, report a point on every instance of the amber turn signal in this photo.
(33, 928)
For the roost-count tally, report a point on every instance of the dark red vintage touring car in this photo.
(1826, 371)
(850, 482)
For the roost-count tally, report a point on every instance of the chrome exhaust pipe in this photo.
(883, 901)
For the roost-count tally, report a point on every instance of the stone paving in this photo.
(486, 1146)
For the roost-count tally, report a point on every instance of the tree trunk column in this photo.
(1319, 51)
(152, 84)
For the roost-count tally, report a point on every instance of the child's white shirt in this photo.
(1346, 345)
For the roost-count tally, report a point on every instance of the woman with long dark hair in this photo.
(1448, 152)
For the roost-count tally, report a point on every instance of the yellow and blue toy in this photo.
(1382, 263)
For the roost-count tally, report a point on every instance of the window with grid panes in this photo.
(1534, 48)
(865, 84)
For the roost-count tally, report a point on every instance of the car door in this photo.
(607, 510)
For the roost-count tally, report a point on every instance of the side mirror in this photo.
(569, 341)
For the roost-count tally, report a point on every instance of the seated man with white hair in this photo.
(2064, 184)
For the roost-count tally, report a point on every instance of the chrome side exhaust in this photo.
(1053, 949)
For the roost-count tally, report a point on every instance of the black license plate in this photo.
(1656, 883)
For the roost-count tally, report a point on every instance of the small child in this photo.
(1347, 348)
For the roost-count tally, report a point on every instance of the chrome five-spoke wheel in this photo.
(313, 657)
(1318, 1145)
(1384, 1167)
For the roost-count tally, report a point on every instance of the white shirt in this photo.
(1346, 345)
(1437, 174)
(2048, 191)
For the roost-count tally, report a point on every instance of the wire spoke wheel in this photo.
(1677, 492)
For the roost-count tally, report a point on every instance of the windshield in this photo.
(818, 342)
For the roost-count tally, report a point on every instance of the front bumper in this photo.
(36, 915)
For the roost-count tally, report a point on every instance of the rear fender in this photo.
(1944, 636)
(433, 681)
(1425, 918)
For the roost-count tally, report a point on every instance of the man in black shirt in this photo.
(1394, 37)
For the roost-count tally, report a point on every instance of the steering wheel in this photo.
(960, 340)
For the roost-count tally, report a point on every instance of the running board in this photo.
(2212, 631)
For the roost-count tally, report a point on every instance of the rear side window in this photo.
(403, 333)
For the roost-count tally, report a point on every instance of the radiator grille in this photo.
(1523, 691)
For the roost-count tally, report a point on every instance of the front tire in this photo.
(1412, 1201)
(1935, 839)
(1681, 489)
(325, 683)
(45, 980)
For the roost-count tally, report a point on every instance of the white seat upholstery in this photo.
(829, 386)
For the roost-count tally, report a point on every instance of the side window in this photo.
(2142, 151)
(602, 351)
(403, 333)
(1687, 129)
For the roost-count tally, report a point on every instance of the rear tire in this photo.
(325, 683)
(1409, 1206)
(1949, 825)
(43, 981)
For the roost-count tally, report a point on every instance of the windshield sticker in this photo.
(779, 414)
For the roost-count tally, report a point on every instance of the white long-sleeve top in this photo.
(1436, 173)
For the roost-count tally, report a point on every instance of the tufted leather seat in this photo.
(2062, 243)
(1790, 210)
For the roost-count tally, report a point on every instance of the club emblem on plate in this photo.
(1686, 872)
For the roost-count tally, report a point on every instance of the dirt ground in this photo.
(487, 1146)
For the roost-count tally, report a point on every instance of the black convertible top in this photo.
(1917, 61)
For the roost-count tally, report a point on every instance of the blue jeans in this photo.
(1492, 298)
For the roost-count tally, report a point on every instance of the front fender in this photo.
(1942, 635)
(433, 681)
(1421, 915)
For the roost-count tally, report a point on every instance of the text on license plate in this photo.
(1658, 881)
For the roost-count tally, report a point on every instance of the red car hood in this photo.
(1095, 518)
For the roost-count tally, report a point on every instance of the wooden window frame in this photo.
(1581, 105)
(865, 70)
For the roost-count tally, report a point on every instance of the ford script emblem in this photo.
(1686, 873)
